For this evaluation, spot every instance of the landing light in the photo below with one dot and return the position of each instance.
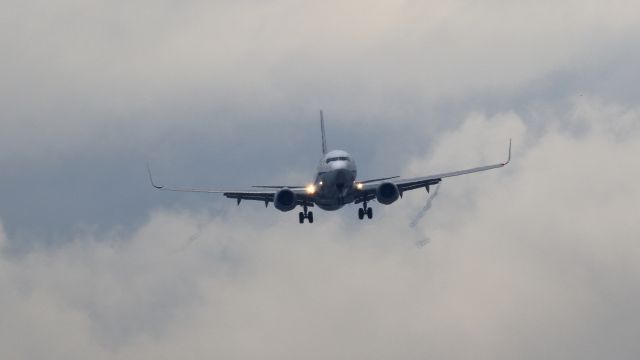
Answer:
(359, 186)
(311, 189)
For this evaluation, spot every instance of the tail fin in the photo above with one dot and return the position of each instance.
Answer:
(324, 138)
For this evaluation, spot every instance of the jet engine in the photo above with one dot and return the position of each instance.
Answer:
(285, 200)
(386, 193)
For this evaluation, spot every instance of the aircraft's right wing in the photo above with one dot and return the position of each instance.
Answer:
(266, 195)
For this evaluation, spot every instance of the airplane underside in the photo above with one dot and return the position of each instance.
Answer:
(333, 204)
(330, 206)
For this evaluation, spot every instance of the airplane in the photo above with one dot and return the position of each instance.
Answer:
(335, 186)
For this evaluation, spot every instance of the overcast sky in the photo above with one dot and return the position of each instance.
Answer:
(536, 260)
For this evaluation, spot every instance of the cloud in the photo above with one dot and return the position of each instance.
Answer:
(538, 259)
(91, 90)
(104, 71)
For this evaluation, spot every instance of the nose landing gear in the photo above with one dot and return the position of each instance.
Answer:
(305, 215)
(365, 210)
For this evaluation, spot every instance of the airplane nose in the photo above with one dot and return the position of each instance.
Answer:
(339, 164)
(341, 179)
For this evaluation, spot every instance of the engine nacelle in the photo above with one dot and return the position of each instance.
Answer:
(386, 193)
(285, 200)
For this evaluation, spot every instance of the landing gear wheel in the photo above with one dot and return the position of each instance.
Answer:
(360, 213)
(370, 213)
(304, 214)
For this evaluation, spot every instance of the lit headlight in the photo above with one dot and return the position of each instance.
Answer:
(359, 186)
(311, 189)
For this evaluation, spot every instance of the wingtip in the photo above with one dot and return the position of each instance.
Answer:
(151, 178)
(509, 154)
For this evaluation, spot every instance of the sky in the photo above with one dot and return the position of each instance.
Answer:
(535, 260)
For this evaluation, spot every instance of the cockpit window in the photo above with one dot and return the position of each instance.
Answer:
(339, 158)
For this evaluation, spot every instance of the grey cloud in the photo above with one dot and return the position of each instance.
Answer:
(535, 260)
(77, 70)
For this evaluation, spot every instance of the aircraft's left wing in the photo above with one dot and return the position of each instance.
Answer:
(266, 195)
(368, 190)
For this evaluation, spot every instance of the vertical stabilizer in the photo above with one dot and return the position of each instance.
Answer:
(324, 137)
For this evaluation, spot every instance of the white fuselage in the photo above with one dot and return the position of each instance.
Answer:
(335, 180)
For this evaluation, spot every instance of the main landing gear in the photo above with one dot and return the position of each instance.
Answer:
(305, 215)
(364, 210)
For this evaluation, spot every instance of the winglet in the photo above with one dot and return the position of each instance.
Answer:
(151, 179)
(509, 157)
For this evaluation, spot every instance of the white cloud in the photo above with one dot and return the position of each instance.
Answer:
(535, 260)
